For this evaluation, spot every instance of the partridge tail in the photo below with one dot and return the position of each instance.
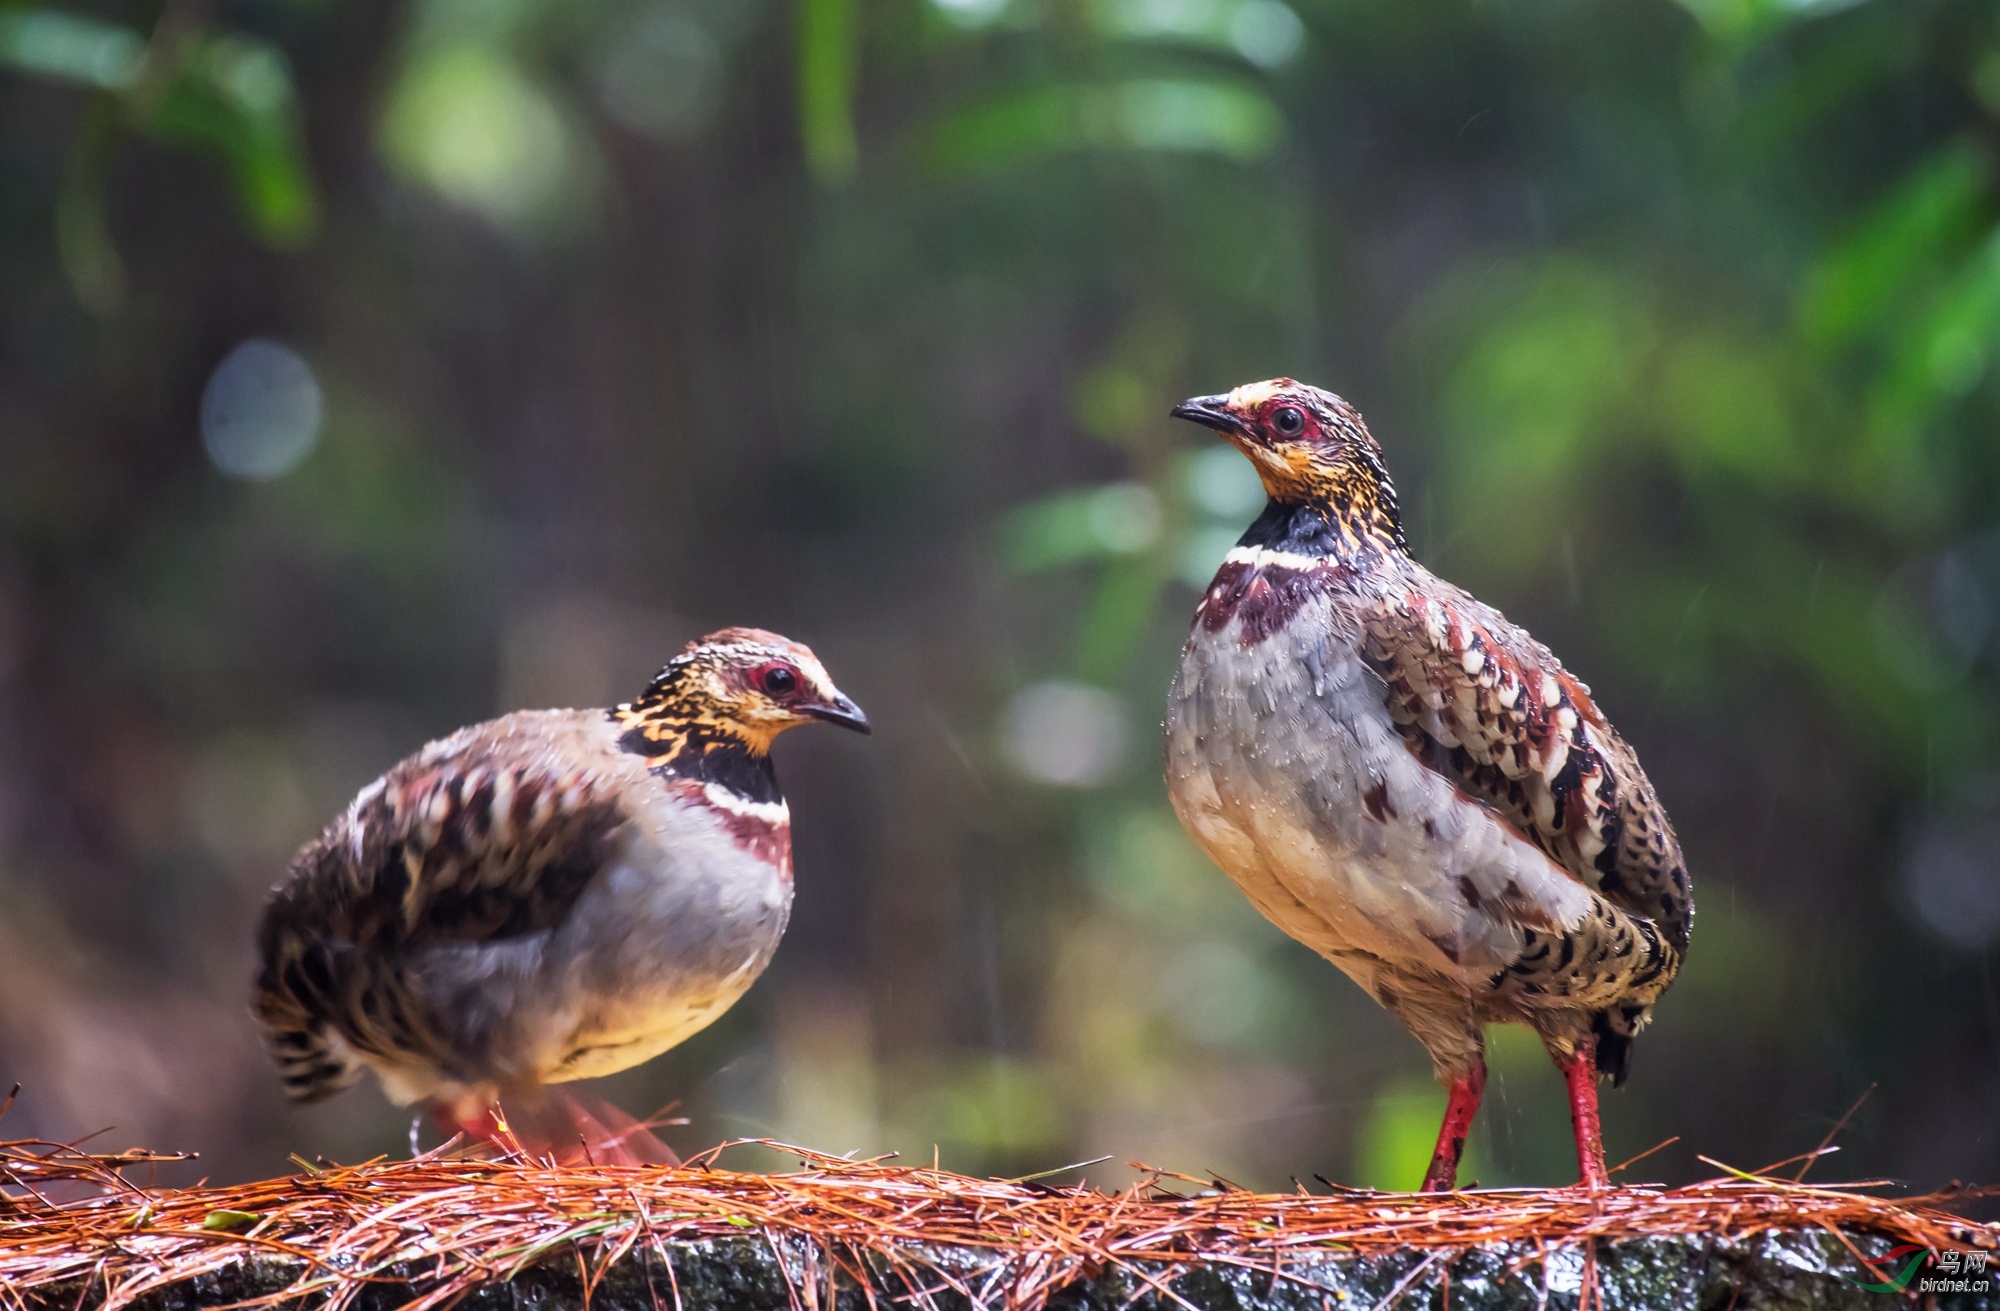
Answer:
(311, 1068)
(312, 1060)
(1615, 1030)
(298, 980)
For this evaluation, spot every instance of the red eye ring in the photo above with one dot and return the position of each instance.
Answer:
(778, 679)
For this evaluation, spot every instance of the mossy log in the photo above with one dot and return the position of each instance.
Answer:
(444, 1231)
(764, 1272)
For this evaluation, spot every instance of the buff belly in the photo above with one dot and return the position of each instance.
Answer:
(667, 937)
(666, 941)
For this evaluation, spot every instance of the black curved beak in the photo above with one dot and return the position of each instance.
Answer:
(841, 711)
(1209, 412)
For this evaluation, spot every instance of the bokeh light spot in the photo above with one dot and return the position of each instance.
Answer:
(1125, 517)
(1215, 991)
(1951, 869)
(1266, 32)
(971, 13)
(1932, 619)
(1223, 483)
(261, 411)
(662, 77)
(470, 126)
(1069, 734)
(1203, 552)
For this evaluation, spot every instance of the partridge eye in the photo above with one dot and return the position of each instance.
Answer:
(778, 680)
(1288, 421)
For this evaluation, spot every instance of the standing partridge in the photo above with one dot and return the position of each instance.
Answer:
(1412, 786)
(553, 895)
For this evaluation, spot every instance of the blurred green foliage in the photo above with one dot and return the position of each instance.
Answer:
(226, 94)
(860, 318)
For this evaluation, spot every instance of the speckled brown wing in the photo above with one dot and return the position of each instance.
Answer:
(478, 838)
(1493, 710)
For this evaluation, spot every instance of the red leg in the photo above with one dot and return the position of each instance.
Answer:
(568, 1129)
(1458, 1113)
(1580, 1073)
(478, 1123)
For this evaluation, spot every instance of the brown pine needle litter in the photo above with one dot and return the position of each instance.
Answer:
(442, 1225)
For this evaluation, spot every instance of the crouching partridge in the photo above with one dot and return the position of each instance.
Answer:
(1410, 785)
(553, 895)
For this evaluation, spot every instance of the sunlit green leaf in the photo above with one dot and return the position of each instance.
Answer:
(234, 96)
(468, 123)
(1538, 393)
(1737, 22)
(1943, 352)
(1724, 407)
(228, 95)
(1930, 213)
(1398, 1133)
(829, 65)
(1200, 117)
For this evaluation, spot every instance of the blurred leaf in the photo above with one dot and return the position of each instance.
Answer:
(1265, 32)
(994, 1105)
(1222, 483)
(229, 95)
(1081, 524)
(468, 123)
(1536, 392)
(1203, 551)
(1117, 620)
(1829, 73)
(1942, 354)
(1112, 402)
(829, 66)
(1724, 407)
(83, 231)
(70, 48)
(1738, 22)
(1934, 210)
(1400, 1132)
(234, 95)
(1218, 118)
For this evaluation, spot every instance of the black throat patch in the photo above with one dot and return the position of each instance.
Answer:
(1321, 530)
(681, 737)
(706, 755)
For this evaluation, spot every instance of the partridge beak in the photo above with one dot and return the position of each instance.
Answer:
(1209, 412)
(841, 711)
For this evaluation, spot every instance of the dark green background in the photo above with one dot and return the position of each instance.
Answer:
(635, 318)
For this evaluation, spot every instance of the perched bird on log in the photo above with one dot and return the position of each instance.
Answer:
(1412, 786)
(553, 895)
